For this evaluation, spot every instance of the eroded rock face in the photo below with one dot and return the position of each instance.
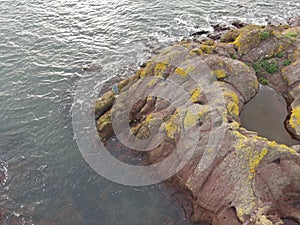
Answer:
(247, 179)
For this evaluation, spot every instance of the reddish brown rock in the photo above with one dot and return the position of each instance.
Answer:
(248, 179)
(2, 217)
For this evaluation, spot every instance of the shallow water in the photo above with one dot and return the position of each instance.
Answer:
(43, 46)
(265, 114)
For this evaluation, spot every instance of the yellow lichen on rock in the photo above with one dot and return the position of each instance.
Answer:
(263, 220)
(104, 126)
(207, 49)
(160, 68)
(181, 72)
(148, 118)
(232, 108)
(196, 94)
(196, 51)
(281, 147)
(248, 205)
(248, 36)
(104, 103)
(190, 119)
(220, 74)
(147, 70)
(237, 42)
(232, 96)
(255, 160)
(272, 144)
(172, 127)
(295, 119)
(240, 143)
(234, 125)
(204, 109)
(245, 152)
(104, 121)
(240, 212)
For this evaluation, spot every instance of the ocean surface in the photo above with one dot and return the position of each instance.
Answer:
(43, 47)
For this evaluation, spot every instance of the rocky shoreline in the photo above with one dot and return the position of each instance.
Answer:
(250, 180)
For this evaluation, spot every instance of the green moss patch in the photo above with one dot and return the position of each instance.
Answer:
(291, 35)
(269, 66)
(287, 62)
(263, 81)
(280, 54)
(234, 56)
(265, 35)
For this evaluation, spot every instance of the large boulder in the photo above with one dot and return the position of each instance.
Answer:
(201, 88)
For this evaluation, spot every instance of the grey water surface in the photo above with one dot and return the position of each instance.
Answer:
(43, 46)
(266, 114)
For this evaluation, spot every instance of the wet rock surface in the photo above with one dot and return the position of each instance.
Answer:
(244, 178)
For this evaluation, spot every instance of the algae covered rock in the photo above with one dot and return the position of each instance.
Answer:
(187, 99)
(104, 103)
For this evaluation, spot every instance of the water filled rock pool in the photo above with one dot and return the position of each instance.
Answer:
(265, 114)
